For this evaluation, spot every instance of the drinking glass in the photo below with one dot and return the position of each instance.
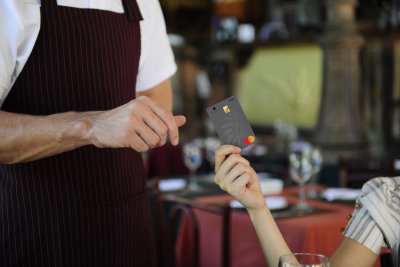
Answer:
(304, 260)
(211, 144)
(300, 170)
(192, 158)
(316, 163)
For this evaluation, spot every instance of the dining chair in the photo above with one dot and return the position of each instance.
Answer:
(354, 172)
(170, 210)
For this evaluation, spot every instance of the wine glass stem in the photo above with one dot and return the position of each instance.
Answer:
(192, 178)
(302, 195)
(312, 192)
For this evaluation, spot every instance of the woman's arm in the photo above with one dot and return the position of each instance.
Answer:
(272, 242)
(352, 253)
(234, 175)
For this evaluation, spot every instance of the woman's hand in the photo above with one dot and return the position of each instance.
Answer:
(235, 176)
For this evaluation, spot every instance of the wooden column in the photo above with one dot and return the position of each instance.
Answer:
(340, 130)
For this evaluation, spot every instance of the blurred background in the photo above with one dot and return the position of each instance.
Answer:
(308, 73)
(319, 81)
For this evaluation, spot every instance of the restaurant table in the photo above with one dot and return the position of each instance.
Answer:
(319, 232)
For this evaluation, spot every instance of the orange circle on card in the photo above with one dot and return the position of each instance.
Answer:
(251, 139)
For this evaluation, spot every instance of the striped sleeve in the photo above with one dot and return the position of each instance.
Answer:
(363, 229)
(2, 94)
(377, 221)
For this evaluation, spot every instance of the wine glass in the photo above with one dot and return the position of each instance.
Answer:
(192, 158)
(316, 163)
(304, 260)
(300, 170)
(211, 144)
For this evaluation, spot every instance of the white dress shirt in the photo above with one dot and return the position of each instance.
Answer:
(20, 25)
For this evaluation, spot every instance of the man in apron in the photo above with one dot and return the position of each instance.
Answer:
(72, 126)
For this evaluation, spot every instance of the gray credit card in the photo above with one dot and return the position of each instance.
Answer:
(230, 123)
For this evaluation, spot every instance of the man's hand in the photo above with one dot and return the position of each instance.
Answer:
(140, 124)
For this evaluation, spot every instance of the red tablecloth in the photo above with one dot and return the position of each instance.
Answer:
(318, 233)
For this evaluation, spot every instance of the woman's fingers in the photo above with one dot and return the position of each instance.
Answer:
(229, 164)
(242, 183)
(233, 174)
(222, 153)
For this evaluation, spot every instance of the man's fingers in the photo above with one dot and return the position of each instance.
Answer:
(180, 120)
(148, 135)
(222, 152)
(138, 144)
(166, 117)
(155, 124)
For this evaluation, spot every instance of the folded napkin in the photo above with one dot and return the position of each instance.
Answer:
(172, 184)
(271, 186)
(332, 194)
(274, 203)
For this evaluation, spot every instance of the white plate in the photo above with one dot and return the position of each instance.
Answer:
(274, 203)
(172, 184)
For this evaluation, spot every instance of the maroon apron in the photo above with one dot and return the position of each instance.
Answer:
(86, 207)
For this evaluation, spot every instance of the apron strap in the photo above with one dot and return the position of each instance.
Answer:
(132, 10)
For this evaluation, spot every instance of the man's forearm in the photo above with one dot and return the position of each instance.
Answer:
(26, 138)
(161, 93)
(141, 124)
